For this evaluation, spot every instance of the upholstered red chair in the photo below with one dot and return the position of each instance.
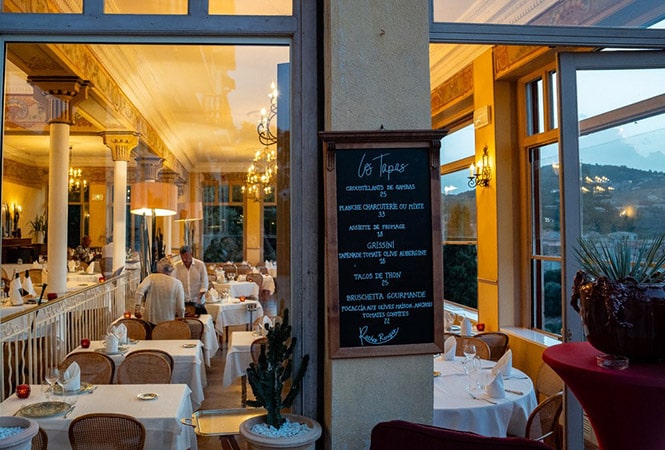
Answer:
(399, 434)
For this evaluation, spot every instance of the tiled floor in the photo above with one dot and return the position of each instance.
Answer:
(217, 397)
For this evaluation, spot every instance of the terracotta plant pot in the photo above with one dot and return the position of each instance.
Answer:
(303, 441)
(623, 318)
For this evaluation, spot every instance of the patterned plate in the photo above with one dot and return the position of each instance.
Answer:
(44, 409)
(85, 387)
(148, 396)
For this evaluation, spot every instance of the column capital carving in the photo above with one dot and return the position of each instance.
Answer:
(64, 93)
(149, 165)
(121, 143)
(168, 176)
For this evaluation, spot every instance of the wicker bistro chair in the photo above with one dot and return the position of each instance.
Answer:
(195, 327)
(497, 341)
(39, 440)
(230, 268)
(96, 368)
(256, 278)
(543, 422)
(171, 329)
(243, 268)
(118, 431)
(137, 329)
(548, 382)
(146, 367)
(482, 349)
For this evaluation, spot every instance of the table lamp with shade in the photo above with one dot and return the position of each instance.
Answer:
(152, 199)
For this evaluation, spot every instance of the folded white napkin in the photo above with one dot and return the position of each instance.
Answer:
(449, 348)
(466, 329)
(91, 268)
(15, 296)
(121, 333)
(71, 265)
(495, 387)
(28, 287)
(212, 296)
(111, 343)
(72, 377)
(265, 323)
(504, 365)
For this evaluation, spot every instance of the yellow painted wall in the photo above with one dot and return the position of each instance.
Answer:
(33, 201)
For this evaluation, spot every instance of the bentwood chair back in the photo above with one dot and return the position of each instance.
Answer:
(107, 430)
(195, 327)
(146, 367)
(497, 341)
(243, 268)
(171, 329)
(230, 268)
(255, 278)
(137, 329)
(39, 440)
(548, 382)
(482, 349)
(543, 422)
(255, 350)
(96, 368)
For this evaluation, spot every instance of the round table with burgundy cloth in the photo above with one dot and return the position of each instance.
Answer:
(625, 407)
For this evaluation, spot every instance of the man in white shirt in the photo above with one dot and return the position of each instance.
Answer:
(193, 275)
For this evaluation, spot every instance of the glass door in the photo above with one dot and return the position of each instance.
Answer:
(612, 160)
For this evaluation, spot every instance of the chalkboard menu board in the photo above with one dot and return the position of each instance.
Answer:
(383, 243)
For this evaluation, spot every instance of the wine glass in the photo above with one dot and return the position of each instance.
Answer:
(50, 378)
(469, 350)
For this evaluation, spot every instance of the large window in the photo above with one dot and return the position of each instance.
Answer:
(458, 219)
(223, 219)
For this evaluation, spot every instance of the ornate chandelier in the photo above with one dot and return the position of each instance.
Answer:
(76, 180)
(261, 174)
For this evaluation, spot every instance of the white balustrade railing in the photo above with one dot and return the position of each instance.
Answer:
(41, 336)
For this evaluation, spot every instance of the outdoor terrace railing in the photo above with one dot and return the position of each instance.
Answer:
(41, 337)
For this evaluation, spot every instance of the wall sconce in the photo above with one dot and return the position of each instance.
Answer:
(480, 173)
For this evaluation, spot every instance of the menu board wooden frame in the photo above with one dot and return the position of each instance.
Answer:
(384, 268)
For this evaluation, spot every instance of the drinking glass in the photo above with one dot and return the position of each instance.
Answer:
(50, 378)
(469, 351)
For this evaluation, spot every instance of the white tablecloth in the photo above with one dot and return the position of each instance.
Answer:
(238, 288)
(455, 408)
(187, 362)
(83, 277)
(160, 417)
(232, 313)
(239, 356)
(209, 338)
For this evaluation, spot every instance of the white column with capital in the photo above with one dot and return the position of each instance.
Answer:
(119, 213)
(57, 212)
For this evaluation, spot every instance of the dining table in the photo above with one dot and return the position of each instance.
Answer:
(455, 406)
(187, 360)
(238, 355)
(208, 338)
(233, 312)
(160, 414)
(238, 288)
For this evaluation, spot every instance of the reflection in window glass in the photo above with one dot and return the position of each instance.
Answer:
(551, 13)
(460, 262)
(457, 145)
(145, 7)
(545, 238)
(622, 179)
(611, 88)
(251, 7)
(222, 233)
(43, 7)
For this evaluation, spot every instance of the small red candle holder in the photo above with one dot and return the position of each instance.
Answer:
(85, 343)
(23, 391)
(102, 279)
(480, 326)
(127, 314)
(242, 298)
(52, 295)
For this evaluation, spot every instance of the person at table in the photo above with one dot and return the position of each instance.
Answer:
(193, 275)
(83, 252)
(163, 294)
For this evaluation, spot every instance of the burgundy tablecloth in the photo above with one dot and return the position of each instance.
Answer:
(625, 407)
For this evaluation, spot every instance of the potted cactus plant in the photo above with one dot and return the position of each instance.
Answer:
(274, 389)
(620, 296)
